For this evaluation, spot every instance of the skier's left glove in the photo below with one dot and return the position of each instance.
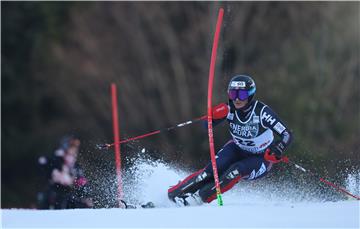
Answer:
(274, 152)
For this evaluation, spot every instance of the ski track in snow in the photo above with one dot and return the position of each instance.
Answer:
(244, 207)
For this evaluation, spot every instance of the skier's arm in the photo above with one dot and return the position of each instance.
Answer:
(270, 120)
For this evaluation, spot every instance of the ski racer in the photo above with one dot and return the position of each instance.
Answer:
(250, 153)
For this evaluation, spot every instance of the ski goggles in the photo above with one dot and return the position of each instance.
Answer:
(238, 94)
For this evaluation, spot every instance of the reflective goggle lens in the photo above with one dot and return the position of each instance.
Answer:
(237, 93)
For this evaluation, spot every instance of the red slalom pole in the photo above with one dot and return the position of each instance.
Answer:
(115, 118)
(209, 104)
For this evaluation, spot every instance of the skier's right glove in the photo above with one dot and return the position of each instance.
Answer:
(220, 111)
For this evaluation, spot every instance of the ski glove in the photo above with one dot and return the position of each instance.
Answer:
(274, 152)
(220, 111)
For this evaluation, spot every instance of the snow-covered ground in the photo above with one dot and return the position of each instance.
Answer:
(274, 215)
(247, 206)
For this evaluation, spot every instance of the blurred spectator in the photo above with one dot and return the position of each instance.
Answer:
(67, 186)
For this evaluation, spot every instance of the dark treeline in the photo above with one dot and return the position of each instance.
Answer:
(59, 58)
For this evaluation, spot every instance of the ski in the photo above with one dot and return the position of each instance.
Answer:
(136, 206)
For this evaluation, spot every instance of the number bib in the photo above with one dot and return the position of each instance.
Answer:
(250, 135)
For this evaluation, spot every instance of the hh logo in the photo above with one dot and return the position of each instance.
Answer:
(268, 118)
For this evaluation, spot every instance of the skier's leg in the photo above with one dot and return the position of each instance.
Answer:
(190, 185)
(251, 168)
(225, 157)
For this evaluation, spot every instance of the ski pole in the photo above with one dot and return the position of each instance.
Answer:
(108, 145)
(340, 189)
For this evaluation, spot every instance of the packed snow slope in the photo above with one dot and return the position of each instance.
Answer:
(233, 214)
(250, 205)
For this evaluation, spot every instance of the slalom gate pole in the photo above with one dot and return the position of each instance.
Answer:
(115, 118)
(108, 145)
(209, 104)
(340, 189)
